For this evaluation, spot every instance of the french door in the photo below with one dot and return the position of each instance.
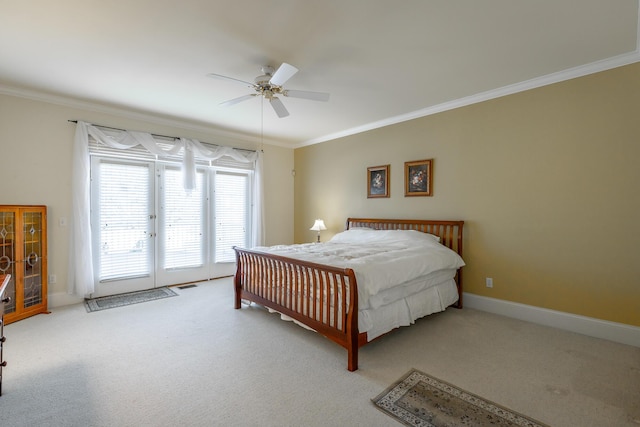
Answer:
(148, 231)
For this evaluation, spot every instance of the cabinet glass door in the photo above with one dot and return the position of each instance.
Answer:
(32, 259)
(8, 256)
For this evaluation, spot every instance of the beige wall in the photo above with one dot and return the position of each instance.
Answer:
(547, 182)
(35, 150)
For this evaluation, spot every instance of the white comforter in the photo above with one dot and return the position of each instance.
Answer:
(381, 259)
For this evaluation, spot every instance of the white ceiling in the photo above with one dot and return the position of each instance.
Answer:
(383, 61)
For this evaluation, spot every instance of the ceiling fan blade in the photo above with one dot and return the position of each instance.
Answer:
(282, 74)
(304, 94)
(234, 101)
(278, 107)
(230, 79)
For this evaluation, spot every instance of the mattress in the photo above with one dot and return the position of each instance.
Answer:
(412, 287)
(405, 311)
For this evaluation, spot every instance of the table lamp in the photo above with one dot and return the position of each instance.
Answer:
(318, 226)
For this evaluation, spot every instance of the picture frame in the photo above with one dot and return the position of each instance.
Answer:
(378, 181)
(418, 178)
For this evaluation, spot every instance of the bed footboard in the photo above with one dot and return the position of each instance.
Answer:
(321, 297)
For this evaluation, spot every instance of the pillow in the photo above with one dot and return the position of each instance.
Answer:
(352, 235)
(403, 232)
(369, 235)
(433, 236)
(412, 235)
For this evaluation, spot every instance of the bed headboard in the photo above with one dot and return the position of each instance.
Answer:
(450, 232)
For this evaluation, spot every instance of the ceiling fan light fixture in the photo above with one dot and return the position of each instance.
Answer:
(270, 84)
(262, 80)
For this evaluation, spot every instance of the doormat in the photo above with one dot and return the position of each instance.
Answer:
(418, 399)
(112, 301)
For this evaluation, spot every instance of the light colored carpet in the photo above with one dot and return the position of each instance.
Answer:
(195, 361)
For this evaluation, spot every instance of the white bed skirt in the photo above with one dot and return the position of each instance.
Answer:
(401, 312)
(405, 311)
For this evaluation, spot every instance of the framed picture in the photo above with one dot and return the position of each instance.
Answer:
(378, 181)
(418, 179)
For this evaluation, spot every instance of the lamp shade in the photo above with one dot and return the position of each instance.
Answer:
(318, 225)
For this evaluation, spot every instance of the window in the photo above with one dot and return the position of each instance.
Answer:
(151, 231)
(184, 222)
(231, 214)
(124, 189)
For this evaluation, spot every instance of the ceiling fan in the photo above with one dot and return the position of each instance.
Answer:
(270, 84)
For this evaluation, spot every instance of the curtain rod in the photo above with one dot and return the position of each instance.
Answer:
(175, 138)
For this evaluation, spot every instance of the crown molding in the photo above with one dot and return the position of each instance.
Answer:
(571, 73)
(216, 133)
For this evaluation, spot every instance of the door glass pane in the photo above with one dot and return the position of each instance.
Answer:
(8, 256)
(231, 214)
(183, 233)
(32, 238)
(124, 192)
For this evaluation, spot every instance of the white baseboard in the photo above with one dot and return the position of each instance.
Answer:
(612, 331)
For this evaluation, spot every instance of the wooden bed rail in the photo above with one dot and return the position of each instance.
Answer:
(322, 297)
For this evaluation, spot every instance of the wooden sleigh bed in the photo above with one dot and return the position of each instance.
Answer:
(322, 297)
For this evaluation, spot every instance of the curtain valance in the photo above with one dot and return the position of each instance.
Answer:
(191, 148)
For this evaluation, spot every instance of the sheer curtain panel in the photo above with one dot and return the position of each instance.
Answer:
(81, 269)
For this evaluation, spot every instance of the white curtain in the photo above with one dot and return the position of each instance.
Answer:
(81, 274)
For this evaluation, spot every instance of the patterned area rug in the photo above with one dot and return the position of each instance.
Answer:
(421, 400)
(121, 300)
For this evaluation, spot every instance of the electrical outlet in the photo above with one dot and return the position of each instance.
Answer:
(489, 282)
(52, 279)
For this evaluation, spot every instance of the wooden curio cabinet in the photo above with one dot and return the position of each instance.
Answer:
(23, 255)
